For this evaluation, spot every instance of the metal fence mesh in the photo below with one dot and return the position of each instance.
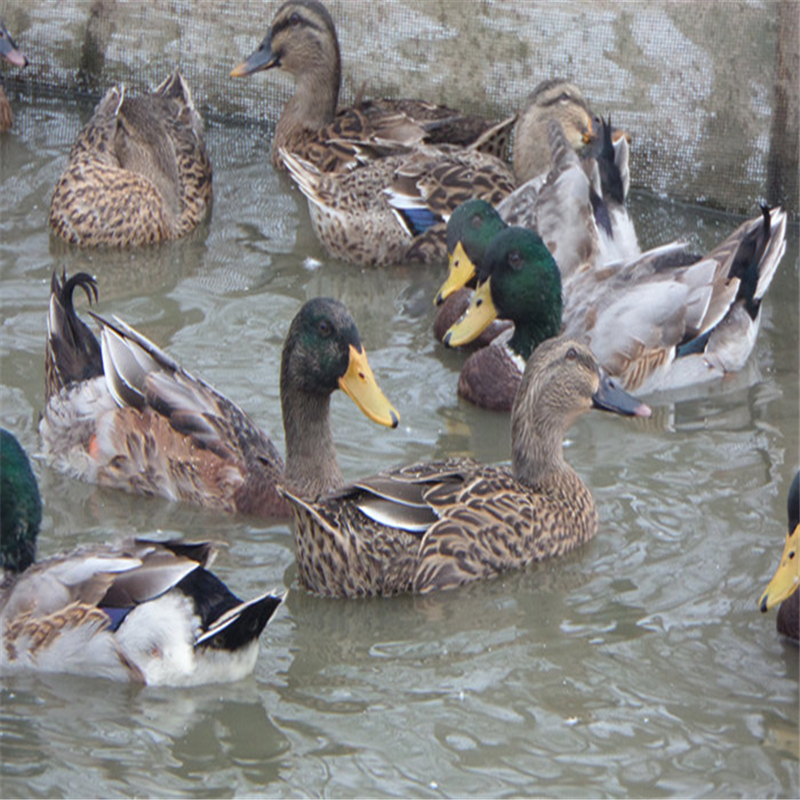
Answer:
(707, 88)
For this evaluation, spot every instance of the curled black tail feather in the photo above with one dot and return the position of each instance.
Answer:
(73, 352)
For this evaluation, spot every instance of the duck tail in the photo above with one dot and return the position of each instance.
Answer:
(73, 353)
(761, 245)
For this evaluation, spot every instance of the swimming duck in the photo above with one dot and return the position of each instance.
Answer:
(396, 209)
(141, 611)
(579, 208)
(438, 525)
(302, 41)
(8, 52)
(138, 172)
(662, 321)
(783, 586)
(123, 414)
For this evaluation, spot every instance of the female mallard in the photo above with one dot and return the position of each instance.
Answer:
(124, 414)
(438, 525)
(783, 586)
(138, 172)
(8, 52)
(578, 208)
(302, 41)
(662, 321)
(395, 209)
(141, 611)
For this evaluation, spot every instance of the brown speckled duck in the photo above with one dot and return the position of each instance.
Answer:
(10, 53)
(438, 525)
(302, 41)
(784, 584)
(138, 173)
(123, 414)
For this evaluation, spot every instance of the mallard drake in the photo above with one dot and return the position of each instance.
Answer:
(123, 414)
(662, 321)
(438, 525)
(302, 41)
(8, 52)
(142, 611)
(138, 172)
(783, 586)
(578, 208)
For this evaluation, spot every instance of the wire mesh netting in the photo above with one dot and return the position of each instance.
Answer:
(708, 90)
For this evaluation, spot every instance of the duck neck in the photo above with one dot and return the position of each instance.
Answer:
(313, 105)
(537, 435)
(312, 469)
(529, 333)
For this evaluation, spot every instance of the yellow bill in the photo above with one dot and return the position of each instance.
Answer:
(787, 577)
(461, 271)
(477, 318)
(359, 384)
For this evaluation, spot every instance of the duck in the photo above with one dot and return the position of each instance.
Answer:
(8, 52)
(664, 321)
(121, 413)
(433, 526)
(138, 173)
(578, 207)
(141, 611)
(302, 41)
(783, 586)
(396, 209)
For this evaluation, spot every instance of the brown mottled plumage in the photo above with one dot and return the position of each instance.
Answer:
(127, 416)
(438, 525)
(302, 41)
(138, 173)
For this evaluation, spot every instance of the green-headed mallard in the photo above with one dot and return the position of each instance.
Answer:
(438, 525)
(138, 172)
(123, 414)
(578, 208)
(142, 611)
(783, 586)
(662, 321)
(10, 53)
(302, 41)
(395, 209)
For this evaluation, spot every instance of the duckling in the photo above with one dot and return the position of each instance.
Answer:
(123, 414)
(302, 41)
(11, 53)
(138, 172)
(663, 321)
(783, 586)
(437, 525)
(140, 611)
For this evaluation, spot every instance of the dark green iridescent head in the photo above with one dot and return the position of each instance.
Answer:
(474, 224)
(525, 286)
(20, 506)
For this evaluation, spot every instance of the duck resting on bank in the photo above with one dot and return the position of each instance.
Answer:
(141, 611)
(123, 414)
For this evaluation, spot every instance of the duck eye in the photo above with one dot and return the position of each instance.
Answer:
(475, 222)
(294, 20)
(325, 328)
(572, 354)
(515, 260)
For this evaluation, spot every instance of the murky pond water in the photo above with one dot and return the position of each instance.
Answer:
(637, 666)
